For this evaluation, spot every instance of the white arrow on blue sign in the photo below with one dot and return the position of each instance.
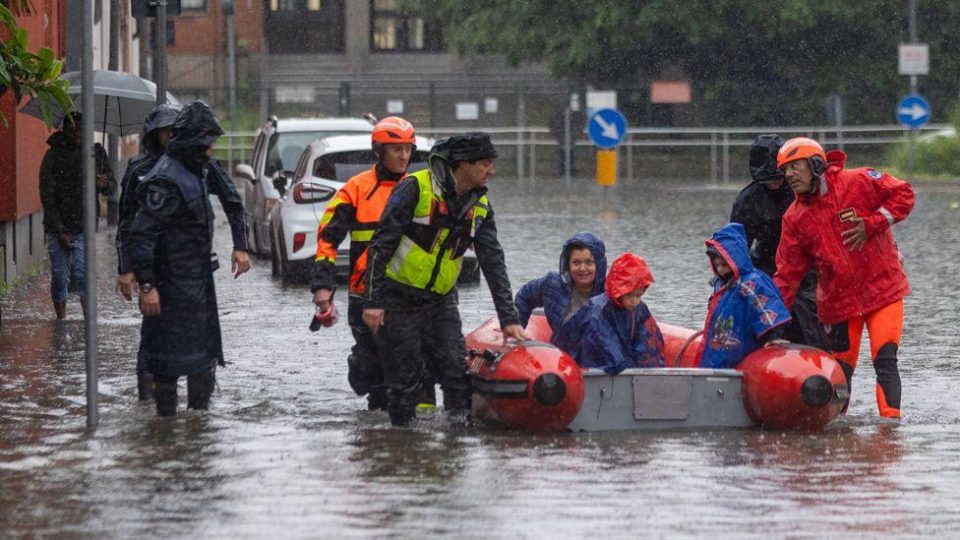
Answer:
(607, 128)
(913, 111)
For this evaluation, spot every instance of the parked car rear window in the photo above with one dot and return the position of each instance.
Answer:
(284, 149)
(342, 165)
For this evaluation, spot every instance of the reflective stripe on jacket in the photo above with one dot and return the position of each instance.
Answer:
(856, 282)
(430, 252)
(355, 209)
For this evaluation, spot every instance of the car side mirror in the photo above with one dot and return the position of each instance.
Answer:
(245, 171)
(280, 183)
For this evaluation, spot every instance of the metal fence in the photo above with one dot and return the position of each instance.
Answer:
(531, 152)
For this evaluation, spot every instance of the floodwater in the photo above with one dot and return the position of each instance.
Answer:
(288, 450)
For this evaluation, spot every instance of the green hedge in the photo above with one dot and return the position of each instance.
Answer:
(939, 156)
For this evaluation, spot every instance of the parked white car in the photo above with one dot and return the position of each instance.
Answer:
(276, 150)
(324, 167)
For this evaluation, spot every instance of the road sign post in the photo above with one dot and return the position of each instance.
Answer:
(607, 129)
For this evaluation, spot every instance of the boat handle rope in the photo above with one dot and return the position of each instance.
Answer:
(683, 349)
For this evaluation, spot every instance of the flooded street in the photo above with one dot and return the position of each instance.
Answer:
(288, 448)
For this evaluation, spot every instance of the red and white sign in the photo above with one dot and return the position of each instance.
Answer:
(914, 59)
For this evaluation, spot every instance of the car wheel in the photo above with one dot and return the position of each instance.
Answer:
(274, 257)
(283, 266)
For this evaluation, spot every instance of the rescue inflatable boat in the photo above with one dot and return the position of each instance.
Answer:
(534, 386)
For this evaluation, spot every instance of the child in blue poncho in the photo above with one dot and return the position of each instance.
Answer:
(745, 310)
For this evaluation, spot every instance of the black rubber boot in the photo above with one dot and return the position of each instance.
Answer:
(199, 389)
(165, 394)
(888, 381)
(848, 374)
(145, 385)
(377, 398)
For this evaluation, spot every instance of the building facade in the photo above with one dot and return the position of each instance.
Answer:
(348, 57)
(23, 138)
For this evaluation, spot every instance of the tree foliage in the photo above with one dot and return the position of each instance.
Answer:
(26, 73)
(764, 62)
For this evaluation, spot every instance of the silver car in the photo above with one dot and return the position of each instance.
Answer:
(277, 149)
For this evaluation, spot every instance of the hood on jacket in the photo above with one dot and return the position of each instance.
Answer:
(195, 130)
(162, 116)
(730, 242)
(597, 249)
(627, 274)
(59, 139)
(763, 159)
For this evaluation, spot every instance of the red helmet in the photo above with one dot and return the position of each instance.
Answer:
(802, 148)
(393, 130)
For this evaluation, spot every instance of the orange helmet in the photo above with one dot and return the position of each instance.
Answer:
(802, 148)
(393, 130)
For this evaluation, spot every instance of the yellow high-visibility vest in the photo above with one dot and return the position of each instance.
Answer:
(424, 259)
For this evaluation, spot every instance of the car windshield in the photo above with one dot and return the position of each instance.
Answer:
(284, 149)
(342, 165)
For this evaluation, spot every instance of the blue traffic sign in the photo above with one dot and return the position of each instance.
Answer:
(913, 111)
(607, 128)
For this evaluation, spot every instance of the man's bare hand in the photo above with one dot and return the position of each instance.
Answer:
(373, 317)
(126, 284)
(856, 236)
(323, 298)
(150, 303)
(513, 331)
(240, 264)
(102, 181)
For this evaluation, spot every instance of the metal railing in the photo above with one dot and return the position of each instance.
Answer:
(528, 149)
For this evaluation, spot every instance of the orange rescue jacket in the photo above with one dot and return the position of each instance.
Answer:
(356, 210)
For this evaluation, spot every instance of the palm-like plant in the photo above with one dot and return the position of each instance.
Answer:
(26, 73)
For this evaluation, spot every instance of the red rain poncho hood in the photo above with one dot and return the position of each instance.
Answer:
(627, 274)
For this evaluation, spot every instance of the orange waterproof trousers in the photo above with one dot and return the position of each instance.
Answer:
(884, 328)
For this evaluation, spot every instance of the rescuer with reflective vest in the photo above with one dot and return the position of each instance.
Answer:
(356, 210)
(840, 224)
(431, 219)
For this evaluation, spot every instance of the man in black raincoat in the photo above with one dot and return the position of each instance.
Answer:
(169, 246)
(759, 208)
(157, 130)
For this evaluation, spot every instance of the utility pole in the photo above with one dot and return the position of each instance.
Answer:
(161, 51)
(231, 62)
(89, 217)
(113, 146)
(912, 28)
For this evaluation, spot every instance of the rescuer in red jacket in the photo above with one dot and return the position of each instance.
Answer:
(840, 224)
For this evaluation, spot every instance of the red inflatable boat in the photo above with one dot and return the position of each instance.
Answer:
(535, 386)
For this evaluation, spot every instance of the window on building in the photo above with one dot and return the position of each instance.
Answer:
(306, 26)
(284, 5)
(391, 29)
(193, 5)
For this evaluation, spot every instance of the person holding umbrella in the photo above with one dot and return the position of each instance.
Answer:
(61, 195)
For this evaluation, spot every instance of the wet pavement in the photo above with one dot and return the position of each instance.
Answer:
(288, 449)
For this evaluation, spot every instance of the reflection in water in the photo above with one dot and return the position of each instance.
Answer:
(287, 449)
